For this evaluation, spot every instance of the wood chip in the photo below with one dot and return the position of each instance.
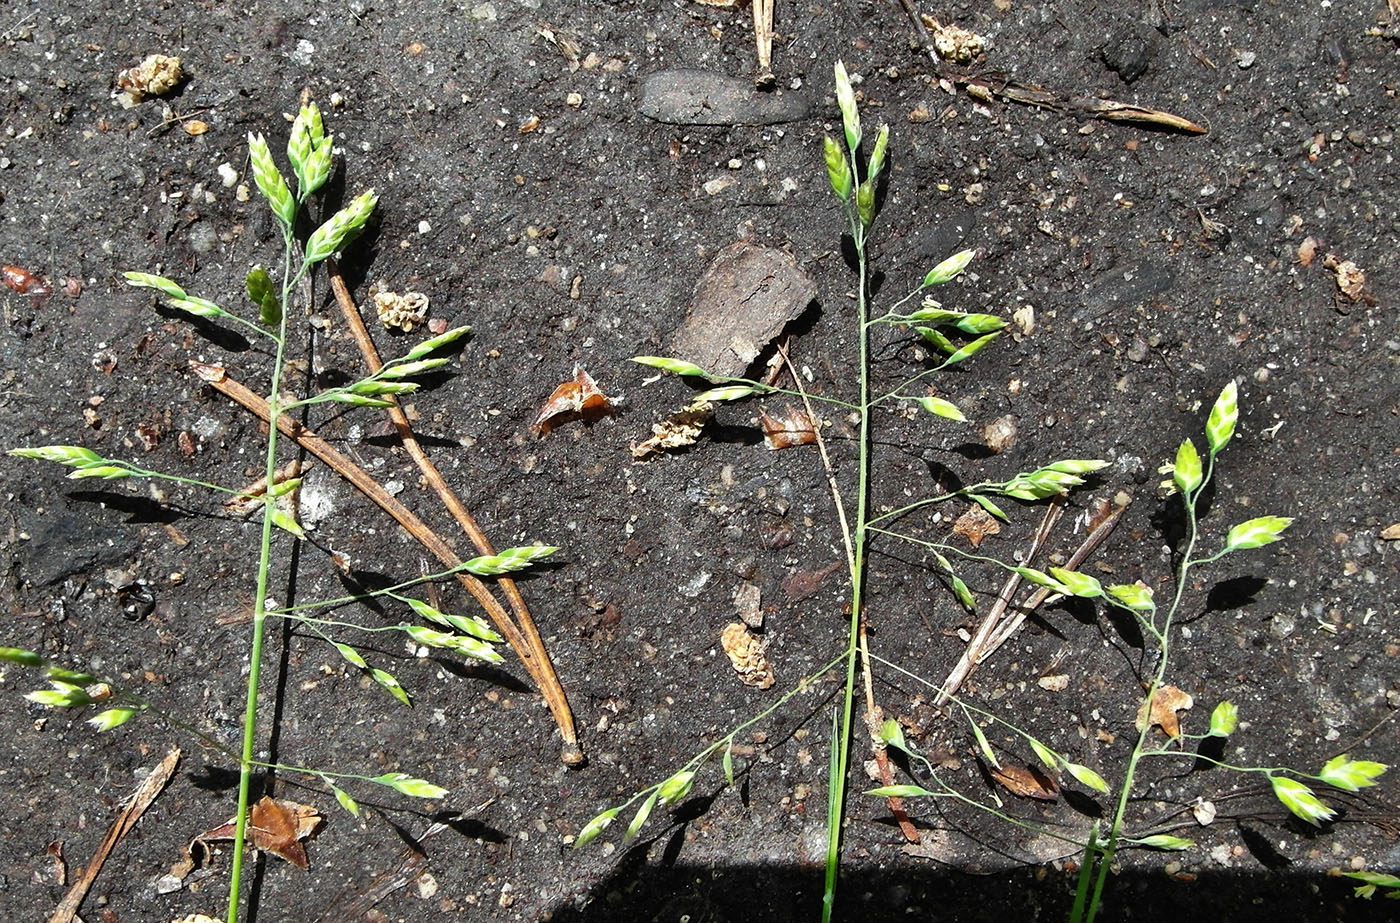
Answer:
(748, 601)
(746, 654)
(140, 800)
(742, 302)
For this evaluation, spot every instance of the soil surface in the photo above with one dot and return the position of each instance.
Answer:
(529, 189)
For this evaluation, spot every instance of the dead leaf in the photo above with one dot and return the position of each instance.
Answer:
(1027, 781)
(274, 826)
(789, 427)
(746, 655)
(1351, 278)
(975, 525)
(1164, 705)
(577, 399)
(1391, 532)
(676, 431)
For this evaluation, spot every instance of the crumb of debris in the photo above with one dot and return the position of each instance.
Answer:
(403, 312)
(157, 75)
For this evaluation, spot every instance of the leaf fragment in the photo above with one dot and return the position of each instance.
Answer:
(1027, 782)
(573, 400)
(1161, 710)
(975, 525)
(786, 428)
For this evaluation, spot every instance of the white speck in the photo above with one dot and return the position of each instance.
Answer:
(302, 53)
(228, 175)
(424, 227)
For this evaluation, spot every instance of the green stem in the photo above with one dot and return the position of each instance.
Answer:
(1110, 842)
(836, 801)
(250, 712)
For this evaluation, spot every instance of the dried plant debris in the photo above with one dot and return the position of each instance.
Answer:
(954, 43)
(787, 427)
(1351, 278)
(746, 653)
(1000, 434)
(157, 75)
(742, 302)
(399, 312)
(274, 826)
(1164, 705)
(579, 399)
(676, 431)
(975, 524)
(1027, 781)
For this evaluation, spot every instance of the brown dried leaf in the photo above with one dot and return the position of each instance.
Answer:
(1164, 705)
(676, 431)
(1027, 781)
(975, 525)
(1391, 532)
(577, 399)
(274, 826)
(789, 427)
(746, 654)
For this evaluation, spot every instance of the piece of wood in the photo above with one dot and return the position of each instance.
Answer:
(742, 302)
(136, 805)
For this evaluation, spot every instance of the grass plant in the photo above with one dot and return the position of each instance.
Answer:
(953, 338)
(271, 294)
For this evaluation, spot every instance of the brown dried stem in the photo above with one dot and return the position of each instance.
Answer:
(357, 476)
(541, 668)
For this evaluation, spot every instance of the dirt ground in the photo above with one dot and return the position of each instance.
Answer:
(527, 188)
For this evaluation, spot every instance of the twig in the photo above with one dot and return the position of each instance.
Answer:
(1091, 542)
(763, 41)
(140, 800)
(970, 655)
(357, 476)
(1001, 86)
(874, 715)
(544, 674)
